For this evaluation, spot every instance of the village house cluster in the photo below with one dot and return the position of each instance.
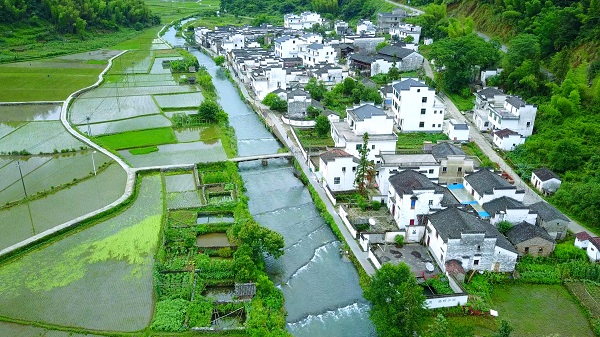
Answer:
(438, 197)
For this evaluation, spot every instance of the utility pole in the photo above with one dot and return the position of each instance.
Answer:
(21, 174)
(93, 163)
(87, 118)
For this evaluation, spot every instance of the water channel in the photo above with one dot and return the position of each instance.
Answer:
(323, 297)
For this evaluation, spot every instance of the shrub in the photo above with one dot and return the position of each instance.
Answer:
(200, 312)
(399, 239)
(169, 315)
(375, 205)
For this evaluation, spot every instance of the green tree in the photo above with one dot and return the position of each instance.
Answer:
(209, 111)
(275, 102)
(439, 328)
(322, 126)
(505, 329)
(504, 226)
(259, 239)
(409, 39)
(313, 112)
(396, 301)
(364, 165)
(393, 74)
(381, 45)
(316, 89)
(219, 60)
(348, 85)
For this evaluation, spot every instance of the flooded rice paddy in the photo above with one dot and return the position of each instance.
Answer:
(39, 137)
(180, 182)
(180, 100)
(30, 112)
(132, 124)
(182, 153)
(98, 278)
(30, 218)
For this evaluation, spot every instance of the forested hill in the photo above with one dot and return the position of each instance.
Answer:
(77, 16)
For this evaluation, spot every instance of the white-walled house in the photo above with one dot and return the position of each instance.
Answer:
(303, 21)
(593, 249)
(366, 118)
(496, 111)
(509, 209)
(411, 196)
(338, 169)
(392, 163)
(404, 30)
(507, 139)
(457, 131)
(264, 81)
(316, 53)
(486, 186)
(453, 234)
(366, 27)
(545, 181)
(582, 240)
(416, 107)
(329, 74)
(551, 219)
(453, 162)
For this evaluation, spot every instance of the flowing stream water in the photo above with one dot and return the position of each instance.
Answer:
(321, 289)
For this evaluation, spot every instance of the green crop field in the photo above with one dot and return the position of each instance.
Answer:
(540, 310)
(99, 278)
(140, 138)
(44, 82)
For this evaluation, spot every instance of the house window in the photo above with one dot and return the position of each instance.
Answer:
(435, 112)
(412, 203)
(475, 262)
(336, 180)
(430, 171)
(528, 124)
(460, 169)
(424, 99)
(421, 124)
(444, 169)
(418, 90)
(354, 169)
(478, 248)
(344, 169)
(372, 147)
(430, 202)
(423, 111)
(358, 146)
(541, 250)
(411, 222)
(439, 125)
(433, 125)
(526, 250)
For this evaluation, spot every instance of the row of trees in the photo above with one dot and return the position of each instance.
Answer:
(75, 17)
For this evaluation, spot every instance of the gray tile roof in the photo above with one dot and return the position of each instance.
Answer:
(502, 204)
(360, 57)
(489, 92)
(298, 92)
(445, 149)
(504, 133)
(283, 38)
(525, 231)
(314, 45)
(367, 111)
(515, 101)
(387, 89)
(484, 182)
(405, 182)
(408, 83)
(331, 155)
(452, 222)
(396, 51)
(547, 212)
(459, 125)
(545, 174)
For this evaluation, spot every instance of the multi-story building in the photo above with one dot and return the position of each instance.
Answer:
(385, 21)
(416, 107)
(316, 53)
(496, 111)
(303, 21)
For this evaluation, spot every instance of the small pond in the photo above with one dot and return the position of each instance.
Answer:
(211, 240)
(220, 294)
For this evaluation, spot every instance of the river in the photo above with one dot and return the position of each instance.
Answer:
(321, 289)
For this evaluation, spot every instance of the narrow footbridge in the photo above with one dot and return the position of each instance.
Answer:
(261, 157)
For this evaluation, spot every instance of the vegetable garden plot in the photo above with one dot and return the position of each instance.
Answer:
(131, 124)
(46, 173)
(180, 182)
(30, 112)
(17, 224)
(188, 199)
(99, 278)
(111, 108)
(179, 100)
(40, 137)
(182, 153)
